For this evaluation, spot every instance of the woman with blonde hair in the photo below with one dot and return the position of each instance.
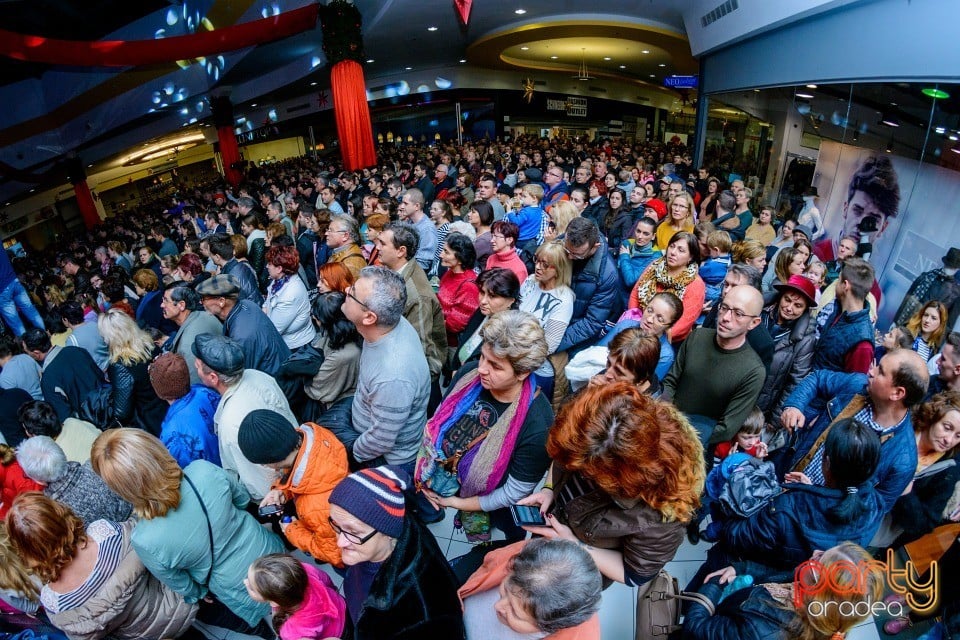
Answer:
(559, 216)
(131, 350)
(626, 477)
(679, 218)
(94, 585)
(803, 610)
(750, 252)
(194, 534)
(19, 588)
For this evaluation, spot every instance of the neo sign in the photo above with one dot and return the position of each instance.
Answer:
(680, 82)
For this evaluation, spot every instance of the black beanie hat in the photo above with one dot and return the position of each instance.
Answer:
(266, 437)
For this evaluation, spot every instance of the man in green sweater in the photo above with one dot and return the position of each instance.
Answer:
(716, 377)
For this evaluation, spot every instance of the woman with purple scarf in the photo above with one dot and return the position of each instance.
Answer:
(485, 447)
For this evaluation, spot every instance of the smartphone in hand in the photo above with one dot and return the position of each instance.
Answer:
(524, 515)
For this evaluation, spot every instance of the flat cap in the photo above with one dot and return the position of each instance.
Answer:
(219, 285)
(220, 353)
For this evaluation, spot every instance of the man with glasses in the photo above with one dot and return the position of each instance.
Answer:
(342, 236)
(556, 186)
(596, 285)
(716, 377)
(389, 408)
(759, 338)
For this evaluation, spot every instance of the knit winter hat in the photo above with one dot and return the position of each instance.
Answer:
(170, 376)
(657, 205)
(266, 437)
(375, 496)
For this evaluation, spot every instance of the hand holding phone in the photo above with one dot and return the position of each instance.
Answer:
(527, 516)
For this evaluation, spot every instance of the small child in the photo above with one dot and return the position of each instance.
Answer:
(714, 269)
(746, 441)
(816, 272)
(530, 216)
(304, 602)
(19, 589)
(896, 338)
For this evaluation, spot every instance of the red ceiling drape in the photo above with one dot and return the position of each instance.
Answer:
(132, 53)
(353, 115)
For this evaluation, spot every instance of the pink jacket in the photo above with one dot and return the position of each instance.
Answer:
(322, 614)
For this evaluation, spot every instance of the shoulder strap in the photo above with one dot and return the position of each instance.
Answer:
(206, 517)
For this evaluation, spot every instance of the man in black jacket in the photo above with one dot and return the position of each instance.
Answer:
(69, 373)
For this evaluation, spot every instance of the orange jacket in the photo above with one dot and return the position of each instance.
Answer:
(320, 465)
(494, 570)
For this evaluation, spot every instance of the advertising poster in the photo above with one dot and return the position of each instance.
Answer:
(910, 202)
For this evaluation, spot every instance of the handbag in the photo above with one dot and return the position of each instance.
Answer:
(658, 606)
(444, 480)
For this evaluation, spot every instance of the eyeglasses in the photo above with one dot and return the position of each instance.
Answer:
(654, 317)
(350, 294)
(351, 537)
(573, 255)
(739, 314)
(544, 264)
(498, 236)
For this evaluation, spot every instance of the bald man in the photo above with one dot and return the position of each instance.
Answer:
(717, 377)
(882, 400)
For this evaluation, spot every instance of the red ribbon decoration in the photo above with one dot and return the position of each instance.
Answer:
(352, 115)
(463, 9)
(133, 53)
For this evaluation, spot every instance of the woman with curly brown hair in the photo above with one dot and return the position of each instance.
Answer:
(626, 477)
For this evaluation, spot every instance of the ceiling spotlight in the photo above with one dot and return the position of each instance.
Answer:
(89, 165)
(645, 51)
(370, 60)
(623, 66)
(652, 76)
(954, 148)
(805, 96)
(408, 68)
(953, 138)
(462, 60)
(811, 86)
(756, 90)
(519, 12)
(431, 28)
(889, 148)
(524, 48)
(32, 190)
(253, 104)
(936, 94)
(941, 130)
(313, 84)
(554, 57)
(607, 58)
(889, 120)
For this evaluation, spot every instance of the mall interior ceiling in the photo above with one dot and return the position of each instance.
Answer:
(52, 112)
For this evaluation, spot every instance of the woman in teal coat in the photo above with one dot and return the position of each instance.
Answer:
(193, 534)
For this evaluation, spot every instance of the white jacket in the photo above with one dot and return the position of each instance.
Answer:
(289, 311)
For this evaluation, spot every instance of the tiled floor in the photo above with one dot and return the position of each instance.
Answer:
(618, 609)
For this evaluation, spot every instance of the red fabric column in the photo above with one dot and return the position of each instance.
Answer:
(85, 202)
(229, 154)
(353, 115)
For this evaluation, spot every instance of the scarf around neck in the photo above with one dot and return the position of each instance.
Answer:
(482, 467)
(656, 280)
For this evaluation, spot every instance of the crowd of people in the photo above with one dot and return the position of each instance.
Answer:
(588, 347)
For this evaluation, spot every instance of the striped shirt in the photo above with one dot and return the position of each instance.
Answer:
(109, 539)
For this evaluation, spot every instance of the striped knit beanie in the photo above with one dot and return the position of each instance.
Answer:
(375, 496)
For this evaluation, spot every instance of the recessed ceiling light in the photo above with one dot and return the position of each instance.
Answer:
(805, 96)
(953, 138)
(554, 57)
(661, 65)
(811, 86)
(652, 76)
(462, 60)
(313, 84)
(607, 58)
(524, 48)
(431, 28)
(409, 68)
(370, 60)
(756, 90)
(645, 51)
(519, 12)
(32, 190)
(623, 66)
(253, 104)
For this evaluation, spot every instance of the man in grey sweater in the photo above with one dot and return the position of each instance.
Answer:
(390, 406)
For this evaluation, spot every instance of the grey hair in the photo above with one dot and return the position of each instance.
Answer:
(750, 274)
(388, 295)
(557, 582)
(225, 379)
(245, 201)
(349, 225)
(42, 459)
(187, 294)
(518, 337)
(461, 226)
